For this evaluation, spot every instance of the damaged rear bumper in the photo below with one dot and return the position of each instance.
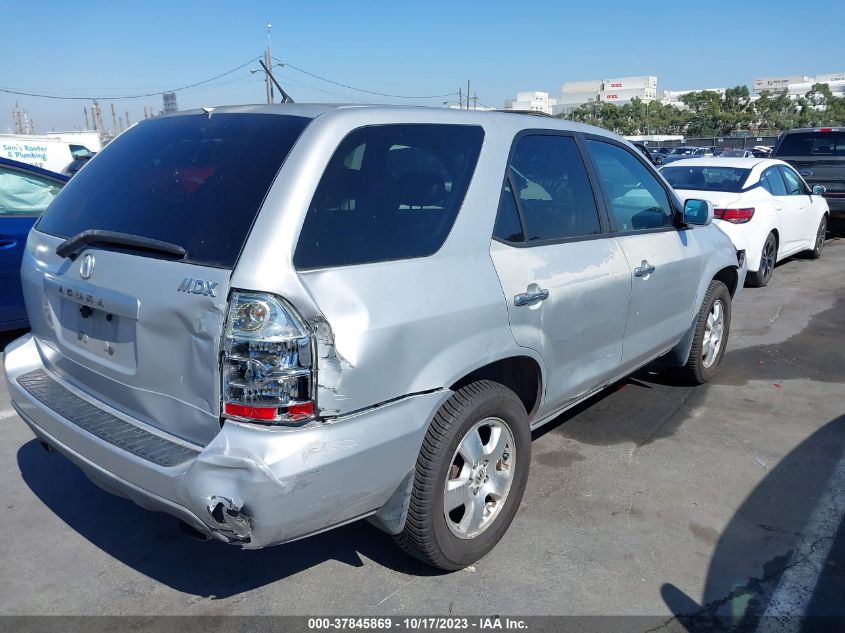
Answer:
(251, 485)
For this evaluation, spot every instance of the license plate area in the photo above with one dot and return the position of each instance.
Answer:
(96, 325)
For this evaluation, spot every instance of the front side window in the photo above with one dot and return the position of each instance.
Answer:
(24, 194)
(552, 189)
(389, 192)
(772, 182)
(794, 186)
(637, 200)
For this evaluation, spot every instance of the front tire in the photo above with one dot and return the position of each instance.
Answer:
(768, 258)
(821, 233)
(470, 477)
(711, 335)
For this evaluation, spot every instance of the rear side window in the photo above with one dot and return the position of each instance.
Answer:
(552, 189)
(771, 181)
(389, 192)
(813, 144)
(637, 200)
(25, 194)
(194, 180)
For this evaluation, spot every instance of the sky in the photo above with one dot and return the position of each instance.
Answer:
(92, 48)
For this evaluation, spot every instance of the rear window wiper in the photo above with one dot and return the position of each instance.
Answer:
(71, 246)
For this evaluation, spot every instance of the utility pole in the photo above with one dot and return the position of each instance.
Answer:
(460, 99)
(113, 118)
(268, 61)
(85, 110)
(468, 93)
(127, 119)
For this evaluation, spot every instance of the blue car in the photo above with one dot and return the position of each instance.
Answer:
(25, 192)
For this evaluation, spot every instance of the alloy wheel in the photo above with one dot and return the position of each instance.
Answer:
(714, 330)
(479, 478)
(767, 262)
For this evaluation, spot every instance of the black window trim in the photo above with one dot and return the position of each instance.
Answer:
(677, 213)
(601, 211)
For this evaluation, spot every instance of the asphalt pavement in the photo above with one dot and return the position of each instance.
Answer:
(651, 499)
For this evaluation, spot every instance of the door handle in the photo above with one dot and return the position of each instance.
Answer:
(644, 269)
(528, 298)
(7, 243)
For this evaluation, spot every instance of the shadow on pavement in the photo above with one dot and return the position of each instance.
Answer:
(758, 544)
(153, 545)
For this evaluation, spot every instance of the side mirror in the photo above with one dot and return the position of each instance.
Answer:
(819, 190)
(698, 212)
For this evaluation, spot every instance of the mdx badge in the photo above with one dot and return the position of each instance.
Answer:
(86, 267)
(198, 287)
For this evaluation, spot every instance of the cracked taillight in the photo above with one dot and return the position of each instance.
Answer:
(267, 361)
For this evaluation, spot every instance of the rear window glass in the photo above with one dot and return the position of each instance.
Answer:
(389, 192)
(194, 180)
(813, 144)
(706, 178)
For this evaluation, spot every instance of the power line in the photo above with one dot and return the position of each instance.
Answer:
(370, 92)
(150, 94)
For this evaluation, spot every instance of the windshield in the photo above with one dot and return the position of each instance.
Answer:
(706, 178)
(192, 180)
(734, 152)
(683, 150)
(813, 144)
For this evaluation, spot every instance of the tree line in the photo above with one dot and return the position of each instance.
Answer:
(709, 113)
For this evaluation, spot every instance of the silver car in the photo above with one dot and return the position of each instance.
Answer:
(269, 321)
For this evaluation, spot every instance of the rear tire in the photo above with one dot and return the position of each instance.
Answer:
(711, 335)
(480, 422)
(768, 259)
(821, 233)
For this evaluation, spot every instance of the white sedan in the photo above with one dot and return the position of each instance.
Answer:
(762, 204)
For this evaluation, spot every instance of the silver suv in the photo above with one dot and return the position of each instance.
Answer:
(270, 321)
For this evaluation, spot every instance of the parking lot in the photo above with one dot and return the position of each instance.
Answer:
(652, 499)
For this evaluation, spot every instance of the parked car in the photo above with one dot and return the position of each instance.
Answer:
(737, 153)
(761, 151)
(272, 320)
(682, 151)
(763, 205)
(25, 191)
(660, 152)
(654, 159)
(76, 164)
(706, 151)
(818, 154)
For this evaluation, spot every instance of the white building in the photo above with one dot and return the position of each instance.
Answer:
(617, 90)
(533, 101)
(799, 85)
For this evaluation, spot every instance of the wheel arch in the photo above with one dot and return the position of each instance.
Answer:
(521, 374)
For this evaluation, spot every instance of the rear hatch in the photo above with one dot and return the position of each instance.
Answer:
(131, 308)
(818, 155)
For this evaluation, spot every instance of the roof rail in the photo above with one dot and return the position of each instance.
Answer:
(531, 112)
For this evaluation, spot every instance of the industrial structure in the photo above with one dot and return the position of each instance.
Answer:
(169, 99)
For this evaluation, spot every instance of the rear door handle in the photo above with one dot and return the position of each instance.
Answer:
(528, 298)
(644, 269)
